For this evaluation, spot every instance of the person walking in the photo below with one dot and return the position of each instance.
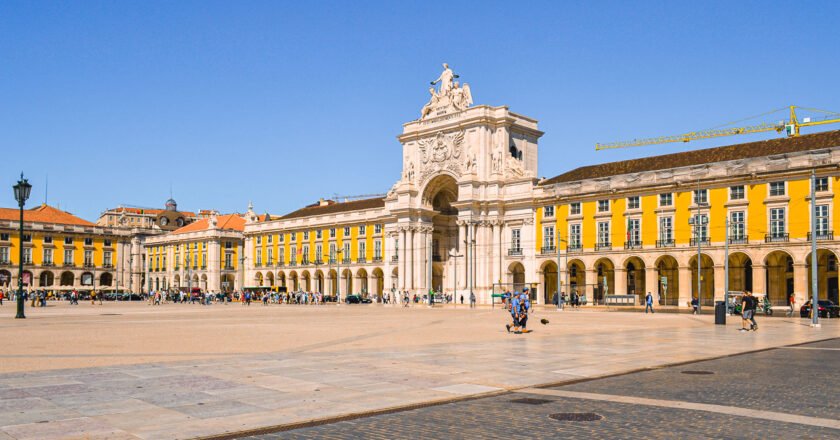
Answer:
(472, 300)
(748, 306)
(791, 301)
(648, 303)
(514, 306)
(694, 305)
(525, 310)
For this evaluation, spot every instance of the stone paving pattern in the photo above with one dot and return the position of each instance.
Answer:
(283, 365)
(786, 384)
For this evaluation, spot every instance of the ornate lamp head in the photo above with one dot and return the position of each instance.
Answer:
(22, 190)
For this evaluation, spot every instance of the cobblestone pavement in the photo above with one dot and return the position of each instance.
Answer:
(794, 380)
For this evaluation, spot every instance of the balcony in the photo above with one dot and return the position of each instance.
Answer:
(319, 261)
(88, 265)
(106, 266)
(701, 242)
(48, 264)
(515, 252)
(69, 265)
(395, 258)
(824, 235)
(5, 263)
(738, 239)
(605, 246)
(777, 238)
(304, 262)
(292, 263)
(377, 258)
(545, 250)
(177, 268)
(633, 244)
(574, 247)
(332, 261)
(361, 260)
(227, 267)
(665, 243)
(345, 260)
(203, 267)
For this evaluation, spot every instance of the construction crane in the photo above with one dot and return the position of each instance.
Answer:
(338, 197)
(790, 128)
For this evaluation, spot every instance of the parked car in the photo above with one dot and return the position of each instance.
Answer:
(357, 299)
(826, 309)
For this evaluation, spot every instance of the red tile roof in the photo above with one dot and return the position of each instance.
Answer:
(231, 222)
(43, 214)
(332, 207)
(771, 147)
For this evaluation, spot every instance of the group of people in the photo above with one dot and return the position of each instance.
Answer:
(518, 304)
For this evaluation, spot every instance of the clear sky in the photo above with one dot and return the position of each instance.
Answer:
(285, 102)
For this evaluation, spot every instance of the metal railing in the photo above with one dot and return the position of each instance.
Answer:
(545, 250)
(665, 243)
(395, 258)
(574, 247)
(603, 246)
(738, 239)
(777, 238)
(515, 252)
(633, 244)
(702, 241)
(825, 235)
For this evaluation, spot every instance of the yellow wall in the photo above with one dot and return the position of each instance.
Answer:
(618, 226)
(799, 221)
(757, 211)
(650, 228)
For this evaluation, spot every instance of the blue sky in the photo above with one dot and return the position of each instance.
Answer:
(285, 102)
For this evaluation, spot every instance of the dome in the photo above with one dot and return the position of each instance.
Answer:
(171, 205)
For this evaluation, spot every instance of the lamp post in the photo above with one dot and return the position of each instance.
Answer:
(566, 258)
(22, 190)
(726, 269)
(455, 256)
(338, 253)
(815, 305)
(698, 221)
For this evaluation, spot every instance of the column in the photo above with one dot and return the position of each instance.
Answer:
(590, 278)
(719, 279)
(214, 264)
(411, 253)
(685, 286)
(800, 282)
(652, 285)
(462, 250)
(620, 276)
(497, 251)
(240, 277)
(759, 278)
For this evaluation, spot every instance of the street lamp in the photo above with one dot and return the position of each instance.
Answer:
(698, 221)
(22, 190)
(338, 253)
(566, 258)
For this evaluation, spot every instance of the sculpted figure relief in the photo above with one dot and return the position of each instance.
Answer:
(450, 97)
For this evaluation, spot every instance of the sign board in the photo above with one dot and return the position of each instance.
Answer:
(87, 279)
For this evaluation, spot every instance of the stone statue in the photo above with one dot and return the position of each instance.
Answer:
(446, 80)
(450, 97)
(213, 220)
(433, 101)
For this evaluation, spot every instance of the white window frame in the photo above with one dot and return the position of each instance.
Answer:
(636, 200)
(770, 188)
(670, 198)
(603, 236)
(827, 184)
(666, 232)
(698, 194)
(548, 237)
(575, 208)
(823, 220)
(775, 222)
(605, 203)
(548, 211)
(743, 192)
(516, 238)
(737, 229)
(635, 233)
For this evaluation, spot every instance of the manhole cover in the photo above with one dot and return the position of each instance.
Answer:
(110, 314)
(696, 372)
(531, 401)
(576, 417)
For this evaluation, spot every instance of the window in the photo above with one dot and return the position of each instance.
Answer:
(88, 241)
(106, 258)
(822, 220)
(259, 259)
(4, 255)
(701, 196)
(68, 240)
(666, 230)
(48, 256)
(306, 253)
(603, 233)
(306, 235)
(777, 189)
(777, 222)
(195, 246)
(574, 236)
(603, 205)
(574, 208)
(68, 257)
(47, 239)
(666, 199)
(27, 238)
(736, 192)
(634, 231)
(229, 245)
(332, 232)
(270, 239)
(362, 250)
(319, 251)
(515, 239)
(259, 239)
(88, 258)
(27, 255)
(332, 252)
(377, 228)
(4, 236)
(821, 184)
(737, 228)
(548, 211)
(377, 250)
(633, 202)
(281, 238)
(318, 234)
(362, 230)
(293, 252)
(701, 227)
(548, 237)
(346, 251)
(228, 260)
(270, 256)
(346, 231)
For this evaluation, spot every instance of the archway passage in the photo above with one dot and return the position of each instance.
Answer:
(306, 281)
(516, 276)
(5, 278)
(362, 277)
(379, 288)
(605, 279)
(258, 279)
(575, 278)
(636, 282)
(439, 195)
(826, 276)
(106, 279)
(67, 279)
(548, 275)
(319, 281)
(779, 282)
(293, 281)
(707, 280)
(669, 281)
(740, 272)
(228, 282)
(269, 279)
(46, 279)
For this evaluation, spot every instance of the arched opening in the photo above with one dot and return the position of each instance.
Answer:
(86, 279)
(228, 282)
(347, 282)
(67, 278)
(106, 280)
(258, 279)
(604, 280)
(575, 281)
(740, 272)
(826, 276)
(636, 283)
(379, 278)
(5, 278)
(707, 280)
(548, 275)
(203, 282)
(779, 265)
(281, 279)
(438, 196)
(306, 281)
(516, 276)
(332, 277)
(362, 285)
(269, 279)
(394, 277)
(668, 283)
(177, 282)
(319, 281)
(45, 280)
(293, 281)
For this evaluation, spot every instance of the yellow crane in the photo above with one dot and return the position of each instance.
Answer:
(790, 127)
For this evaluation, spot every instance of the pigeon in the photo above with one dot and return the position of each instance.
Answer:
(543, 321)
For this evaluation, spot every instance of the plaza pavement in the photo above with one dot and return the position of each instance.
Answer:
(184, 371)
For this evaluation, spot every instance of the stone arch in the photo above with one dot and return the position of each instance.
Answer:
(281, 278)
(636, 279)
(106, 279)
(379, 279)
(203, 282)
(269, 279)
(440, 191)
(195, 281)
(395, 272)
(5, 278)
(516, 276)
(575, 277)
(827, 287)
(668, 283)
(177, 281)
(46, 279)
(347, 282)
(228, 282)
(362, 282)
(779, 278)
(293, 281)
(306, 281)
(548, 281)
(258, 279)
(707, 280)
(604, 279)
(740, 272)
(319, 281)
(86, 279)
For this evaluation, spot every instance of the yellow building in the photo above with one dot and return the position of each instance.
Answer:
(61, 252)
